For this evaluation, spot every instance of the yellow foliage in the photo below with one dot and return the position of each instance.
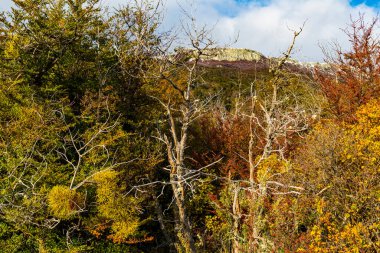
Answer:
(105, 176)
(271, 166)
(64, 202)
(341, 164)
(123, 230)
(326, 237)
(329, 235)
(363, 138)
(11, 48)
(113, 206)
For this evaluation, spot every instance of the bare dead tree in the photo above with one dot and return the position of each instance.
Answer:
(167, 67)
(180, 118)
(276, 121)
(272, 118)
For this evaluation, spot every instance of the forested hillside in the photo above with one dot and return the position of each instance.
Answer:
(117, 136)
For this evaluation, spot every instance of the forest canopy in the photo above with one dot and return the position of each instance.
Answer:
(117, 136)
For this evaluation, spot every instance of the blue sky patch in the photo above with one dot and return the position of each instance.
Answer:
(240, 4)
(233, 12)
(371, 3)
(256, 2)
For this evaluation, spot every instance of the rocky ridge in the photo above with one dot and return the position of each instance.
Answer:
(247, 59)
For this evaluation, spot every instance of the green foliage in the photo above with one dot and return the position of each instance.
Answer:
(59, 87)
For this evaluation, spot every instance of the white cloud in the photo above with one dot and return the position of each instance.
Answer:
(265, 27)
(5, 4)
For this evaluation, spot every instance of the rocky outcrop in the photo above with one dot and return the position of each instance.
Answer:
(246, 59)
(232, 54)
(223, 54)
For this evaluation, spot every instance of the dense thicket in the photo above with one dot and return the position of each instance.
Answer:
(112, 142)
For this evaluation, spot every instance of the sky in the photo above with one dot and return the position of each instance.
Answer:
(266, 25)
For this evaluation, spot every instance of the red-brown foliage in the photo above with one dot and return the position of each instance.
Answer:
(225, 136)
(355, 75)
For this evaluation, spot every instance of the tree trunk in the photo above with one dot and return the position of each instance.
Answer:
(236, 220)
(184, 234)
(160, 218)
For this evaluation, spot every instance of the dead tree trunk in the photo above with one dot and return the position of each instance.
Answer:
(189, 108)
(178, 172)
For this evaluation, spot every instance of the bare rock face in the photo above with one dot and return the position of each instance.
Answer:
(222, 54)
(235, 58)
(245, 59)
(232, 54)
